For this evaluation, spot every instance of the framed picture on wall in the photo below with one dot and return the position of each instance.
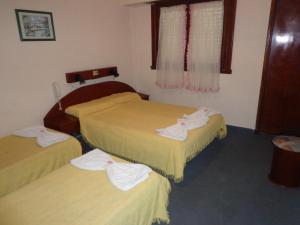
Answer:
(35, 25)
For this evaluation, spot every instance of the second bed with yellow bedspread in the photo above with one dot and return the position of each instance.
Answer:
(124, 125)
(71, 196)
(23, 161)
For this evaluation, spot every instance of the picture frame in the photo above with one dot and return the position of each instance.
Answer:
(35, 25)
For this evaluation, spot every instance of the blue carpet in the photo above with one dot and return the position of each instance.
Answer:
(228, 184)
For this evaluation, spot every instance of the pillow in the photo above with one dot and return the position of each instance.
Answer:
(121, 97)
(87, 108)
(101, 103)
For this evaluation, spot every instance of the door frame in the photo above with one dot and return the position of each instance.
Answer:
(265, 71)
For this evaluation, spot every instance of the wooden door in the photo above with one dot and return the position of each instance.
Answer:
(279, 104)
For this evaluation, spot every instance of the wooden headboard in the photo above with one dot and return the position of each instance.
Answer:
(80, 95)
(84, 75)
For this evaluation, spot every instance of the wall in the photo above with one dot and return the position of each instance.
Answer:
(90, 34)
(238, 98)
(103, 33)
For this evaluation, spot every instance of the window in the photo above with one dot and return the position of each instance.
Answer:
(227, 36)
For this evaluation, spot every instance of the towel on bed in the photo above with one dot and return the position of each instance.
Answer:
(201, 112)
(177, 132)
(44, 138)
(197, 119)
(194, 123)
(47, 138)
(125, 176)
(30, 132)
(93, 160)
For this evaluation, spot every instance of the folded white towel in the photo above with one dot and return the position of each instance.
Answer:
(209, 111)
(43, 137)
(125, 176)
(193, 123)
(93, 160)
(177, 132)
(195, 115)
(201, 112)
(46, 138)
(30, 131)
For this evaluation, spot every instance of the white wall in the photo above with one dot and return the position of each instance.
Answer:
(90, 34)
(238, 98)
(98, 33)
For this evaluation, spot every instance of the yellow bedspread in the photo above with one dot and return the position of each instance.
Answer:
(22, 160)
(70, 196)
(128, 130)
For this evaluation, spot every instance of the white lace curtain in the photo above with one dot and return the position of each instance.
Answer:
(171, 47)
(203, 62)
(205, 39)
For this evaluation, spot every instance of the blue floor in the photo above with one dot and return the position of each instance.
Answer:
(228, 184)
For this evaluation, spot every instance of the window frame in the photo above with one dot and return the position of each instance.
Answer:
(228, 29)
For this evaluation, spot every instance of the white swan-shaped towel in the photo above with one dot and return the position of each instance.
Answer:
(93, 160)
(123, 176)
(30, 132)
(194, 123)
(47, 138)
(201, 112)
(198, 119)
(44, 138)
(177, 132)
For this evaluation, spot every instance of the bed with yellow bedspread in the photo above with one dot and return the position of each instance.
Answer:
(23, 161)
(70, 196)
(124, 125)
